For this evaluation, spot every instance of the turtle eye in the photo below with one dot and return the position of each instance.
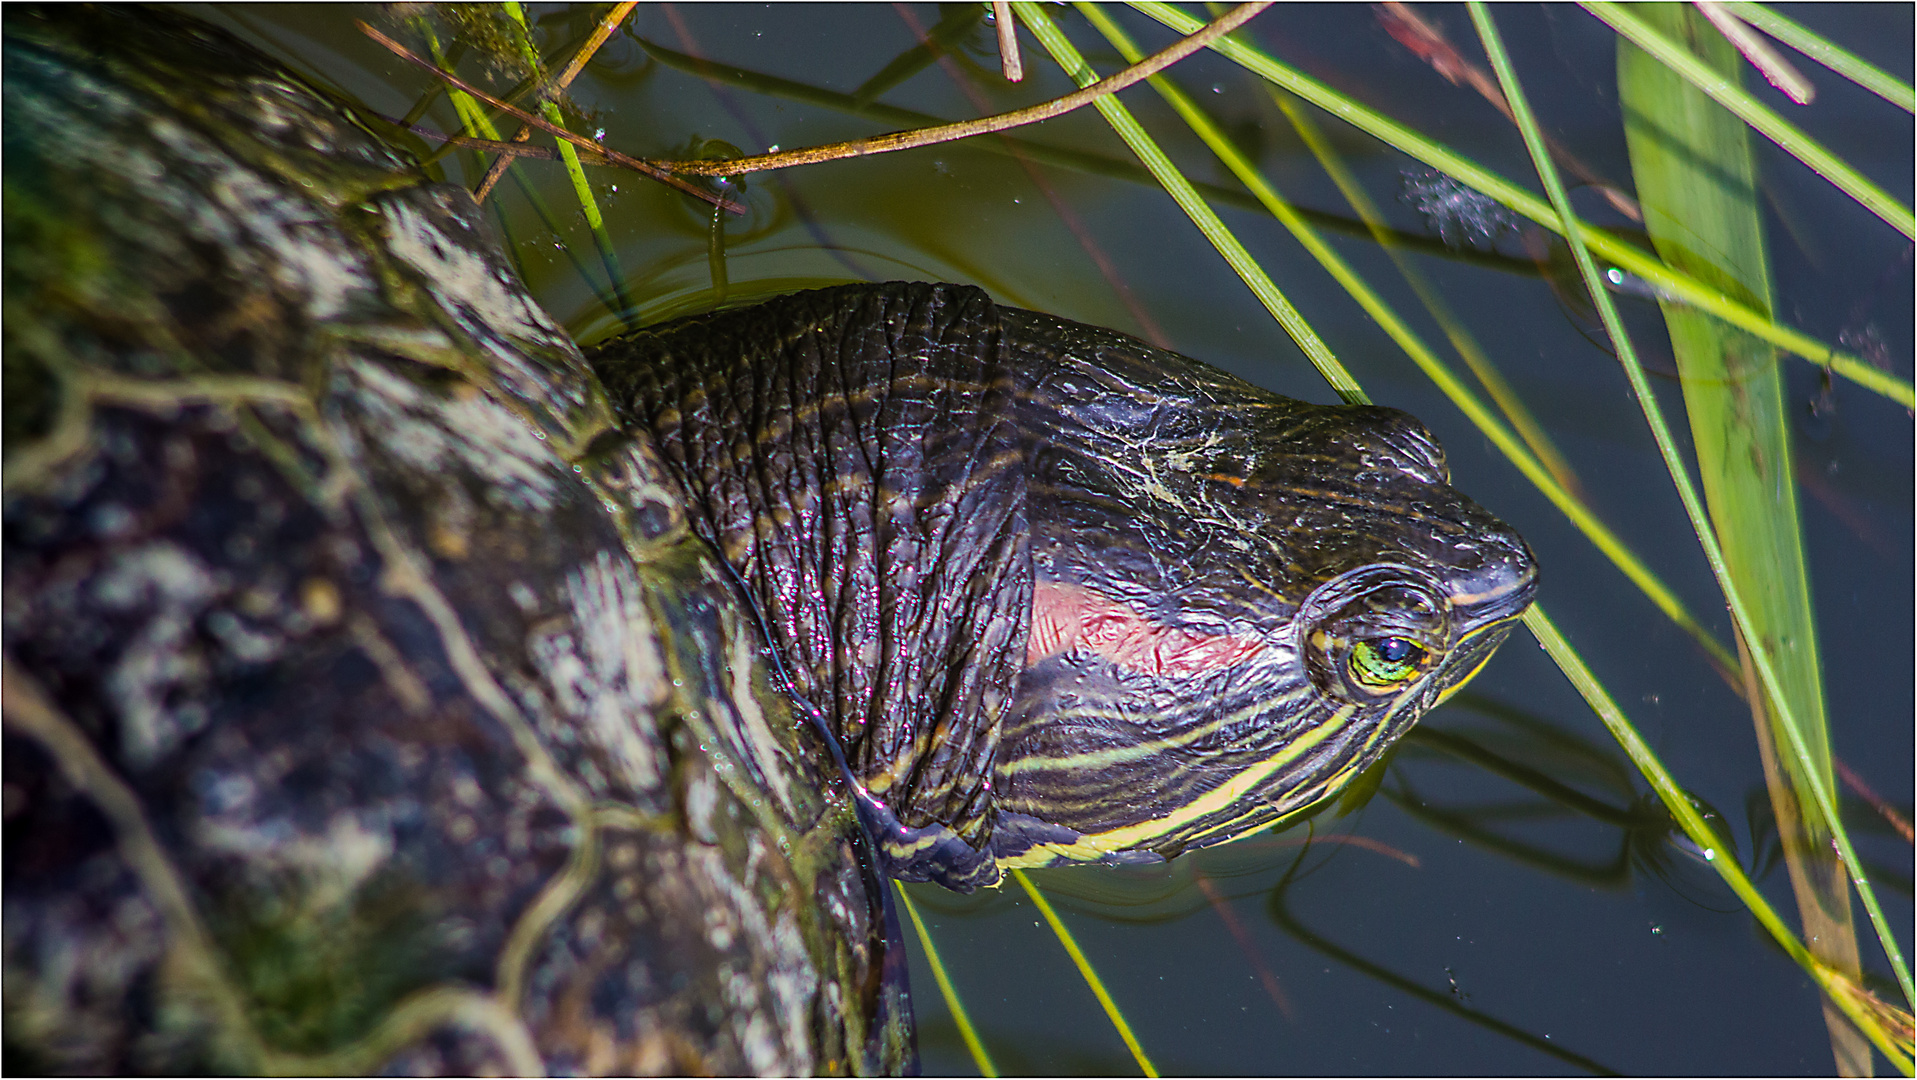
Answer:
(1384, 662)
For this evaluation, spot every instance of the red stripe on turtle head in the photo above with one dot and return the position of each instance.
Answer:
(1071, 618)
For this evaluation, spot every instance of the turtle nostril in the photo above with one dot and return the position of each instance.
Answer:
(1502, 587)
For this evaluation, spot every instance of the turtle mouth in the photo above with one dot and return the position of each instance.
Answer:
(1470, 656)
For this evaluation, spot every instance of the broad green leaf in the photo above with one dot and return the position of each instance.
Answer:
(1696, 181)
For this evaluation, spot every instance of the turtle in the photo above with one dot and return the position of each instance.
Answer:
(392, 687)
(1056, 595)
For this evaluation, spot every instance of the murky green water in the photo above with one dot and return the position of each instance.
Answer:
(1510, 902)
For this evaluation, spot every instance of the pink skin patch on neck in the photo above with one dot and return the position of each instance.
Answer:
(1068, 618)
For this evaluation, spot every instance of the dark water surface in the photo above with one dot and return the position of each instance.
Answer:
(1512, 900)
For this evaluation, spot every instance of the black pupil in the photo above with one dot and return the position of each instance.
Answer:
(1395, 650)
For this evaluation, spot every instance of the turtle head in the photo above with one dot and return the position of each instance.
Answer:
(1240, 601)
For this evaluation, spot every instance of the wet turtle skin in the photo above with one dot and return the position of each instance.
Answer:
(369, 704)
(1061, 596)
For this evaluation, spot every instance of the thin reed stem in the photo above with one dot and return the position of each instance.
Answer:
(1758, 116)
(1843, 62)
(1532, 465)
(1207, 220)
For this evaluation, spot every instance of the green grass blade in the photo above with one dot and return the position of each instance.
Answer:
(1188, 200)
(1686, 490)
(1850, 66)
(1697, 183)
(959, 1016)
(1703, 297)
(1085, 966)
(1053, 40)
(1435, 369)
(1758, 115)
(628, 312)
(1466, 171)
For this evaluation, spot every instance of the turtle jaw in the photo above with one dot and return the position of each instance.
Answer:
(1469, 658)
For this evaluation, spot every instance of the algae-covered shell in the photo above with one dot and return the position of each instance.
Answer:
(368, 705)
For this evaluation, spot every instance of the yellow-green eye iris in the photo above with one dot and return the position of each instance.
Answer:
(1384, 662)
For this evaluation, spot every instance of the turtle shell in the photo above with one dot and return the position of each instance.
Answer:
(369, 705)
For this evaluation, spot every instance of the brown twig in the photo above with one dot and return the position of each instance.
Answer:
(503, 162)
(1428, 43)
(493, 146)
(1008, 58)
(613, 157)
(905, 140)
(557, 84)
(599, 36)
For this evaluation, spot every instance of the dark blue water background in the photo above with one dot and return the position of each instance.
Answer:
(1461, 921)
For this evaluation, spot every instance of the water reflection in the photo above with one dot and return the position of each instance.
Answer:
(1626, 828)
(1451, 1001)
(1491, 775)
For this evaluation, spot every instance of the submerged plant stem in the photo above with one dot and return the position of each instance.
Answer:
(1085, 969)
(1429, 44)
(716, 256)
(952, 1003)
